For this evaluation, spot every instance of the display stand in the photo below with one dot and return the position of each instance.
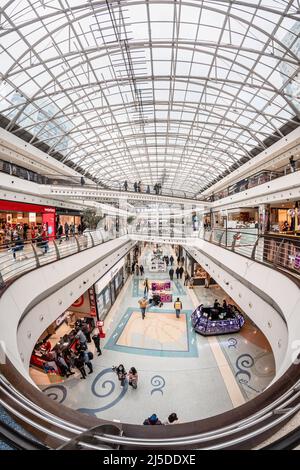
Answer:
(216, 321)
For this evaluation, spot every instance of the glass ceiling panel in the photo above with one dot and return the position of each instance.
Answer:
(147, 90)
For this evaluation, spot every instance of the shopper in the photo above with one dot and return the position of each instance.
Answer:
(67, 228)
(181, 272)
(59, 233)
(137, 270)
(96, 339)
(142, 270)
(216, 303)
(143, 305)
(171, 260)
(186, 278)
(171, 273)
(152, 420)
(82, 338)
(133, 377)
(121, 373)
(125, 185)
(167, 260)
(177, 272)
(72, 230)
(82, 181)
(25, 231)
(79, 364)
(148, 189)
(178, 307)
(42, 242)
(135, 186)
(133, 268)
(224, 306)
(146, 287)
(33, 233)
(206, 280)
(86, 330)
(87, 356)
(63, 366)
(46, 345)
(172, 419)
(139, 186)
(292, 164)
(19, 246)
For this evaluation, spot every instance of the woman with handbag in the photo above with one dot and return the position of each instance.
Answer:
(133, 377)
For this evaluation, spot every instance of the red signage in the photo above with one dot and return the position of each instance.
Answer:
(23, 207)
(92, 301)
(79, 302)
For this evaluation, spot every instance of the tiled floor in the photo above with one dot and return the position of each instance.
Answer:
(178, 370)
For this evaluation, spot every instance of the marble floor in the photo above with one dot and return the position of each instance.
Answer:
(179, 371)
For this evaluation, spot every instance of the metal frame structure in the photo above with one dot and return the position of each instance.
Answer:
(176, 92)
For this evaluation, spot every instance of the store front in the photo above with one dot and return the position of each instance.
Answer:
(18, 215)
(68, 216)
(285, 218)
(109, 286)
(196, 271)
(60, 336)
(245, 218)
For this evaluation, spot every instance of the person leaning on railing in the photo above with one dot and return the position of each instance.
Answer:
(292, 164)
(19, 246)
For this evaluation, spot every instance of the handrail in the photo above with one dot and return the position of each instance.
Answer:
(254, 180)
(20, 256)
(277, 251)
(162, 193)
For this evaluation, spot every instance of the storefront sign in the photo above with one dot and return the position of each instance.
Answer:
(79, 302)
(60, 319)
(84, 304)
(93, 311)
(49, 210)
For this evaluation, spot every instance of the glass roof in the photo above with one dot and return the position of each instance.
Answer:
(174, 92)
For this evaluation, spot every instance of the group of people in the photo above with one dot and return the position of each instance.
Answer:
(14, 237)
(153, 420)
(9, 233)
(66, 360)
(144, 302)
(168, 260)
(137, 269)
(138, 187)
(131, 377)
(223, 311)
(69, 230)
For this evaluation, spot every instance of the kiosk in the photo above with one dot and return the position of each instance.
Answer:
(217, 321)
